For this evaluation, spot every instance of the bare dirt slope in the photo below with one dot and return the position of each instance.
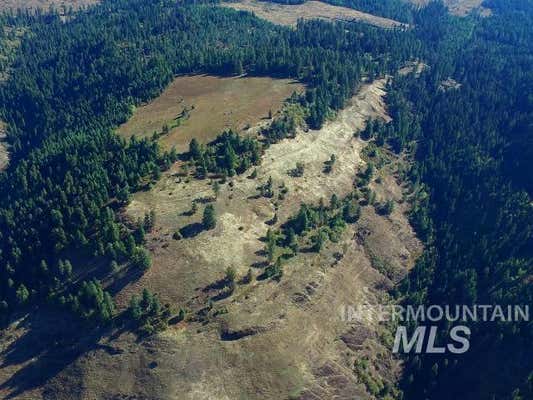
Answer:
(212, 104)
(290, 14)
(268, 340)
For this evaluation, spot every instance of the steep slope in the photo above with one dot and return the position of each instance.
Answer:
(268, 340)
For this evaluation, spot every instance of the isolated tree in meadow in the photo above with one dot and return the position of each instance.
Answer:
(209, 218)
(271, 245)
(248, 277)
(216, 188)
(149, 221)
(231, 274)
(194, 208)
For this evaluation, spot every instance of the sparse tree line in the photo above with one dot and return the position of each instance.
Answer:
(308, 230)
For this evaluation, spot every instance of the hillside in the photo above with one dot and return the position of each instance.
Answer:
(44, 4)
(270, 315)
(459, 7)
(289, 14)
(206, 203)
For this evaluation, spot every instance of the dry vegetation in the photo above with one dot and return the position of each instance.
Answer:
(45, 4)
(268, 340)
(202, 106)
(4, 154)
(415, 66)
(289, 14)
(459, 7)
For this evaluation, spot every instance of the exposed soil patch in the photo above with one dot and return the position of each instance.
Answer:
(203, 106)
(290, 14)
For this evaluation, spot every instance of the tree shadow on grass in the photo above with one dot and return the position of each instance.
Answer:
(123, 278)
(191, 230)
(51, 342)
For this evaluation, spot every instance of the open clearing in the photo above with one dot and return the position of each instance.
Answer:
(290, 14)
(290, 341)
(297, 344)
(211, 104)
(44, 4)
(4, 154)
(459, 7)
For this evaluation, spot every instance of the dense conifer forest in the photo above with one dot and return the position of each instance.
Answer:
(70, 84)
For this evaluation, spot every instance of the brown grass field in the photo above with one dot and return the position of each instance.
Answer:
(44, 4)
(289, 14)
(459, 7)
(295, 345)
(219, 104)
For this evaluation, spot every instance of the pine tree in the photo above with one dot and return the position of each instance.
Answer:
(141, 258)
(209, 217)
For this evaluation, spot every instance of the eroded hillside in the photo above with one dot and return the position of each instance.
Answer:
(267, 339)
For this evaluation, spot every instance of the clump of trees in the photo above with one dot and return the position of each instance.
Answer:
(298, 170)
(314, 225)
(91, 302)
(227, 155)
(148, 314)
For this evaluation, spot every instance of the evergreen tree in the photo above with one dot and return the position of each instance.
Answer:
(209, 217)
